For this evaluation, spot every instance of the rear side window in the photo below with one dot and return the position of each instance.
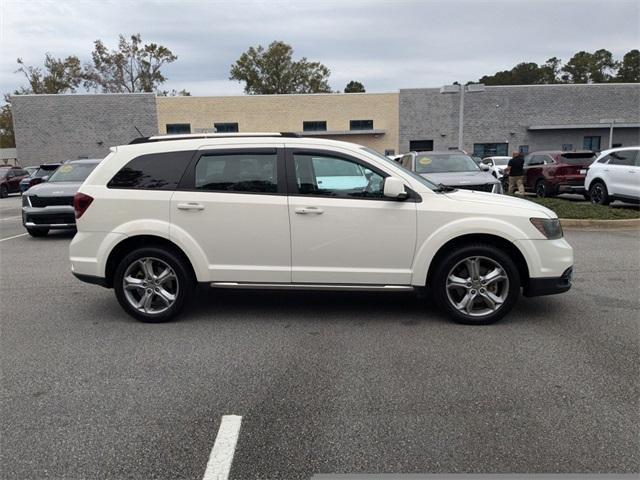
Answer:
(155, 171)
(237, 172)
(578, 158)
(623, 157)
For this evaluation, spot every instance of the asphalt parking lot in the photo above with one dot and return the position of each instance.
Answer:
(324, 382)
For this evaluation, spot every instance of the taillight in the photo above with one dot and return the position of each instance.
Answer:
(80, 203)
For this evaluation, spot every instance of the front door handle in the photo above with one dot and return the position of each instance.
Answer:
(190, 206)
(306, 210)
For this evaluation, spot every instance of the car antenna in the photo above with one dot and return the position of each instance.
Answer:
(138, 130)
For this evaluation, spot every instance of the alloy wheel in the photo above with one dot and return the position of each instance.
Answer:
(596, 193)
(150, 285)
(477, 286)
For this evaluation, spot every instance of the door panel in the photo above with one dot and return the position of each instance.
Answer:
(346, 234)
(237, 213)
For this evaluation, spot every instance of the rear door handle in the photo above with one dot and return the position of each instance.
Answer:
(306, 210)
(190, 206)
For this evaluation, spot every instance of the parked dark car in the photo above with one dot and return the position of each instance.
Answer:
(10, 178)
(49, 205)
(40, 175)
(550, 173)
(452, 168)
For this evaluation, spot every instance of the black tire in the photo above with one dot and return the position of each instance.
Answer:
(38, 232)
(542, 189)
(598, 193)
(4, 191)
(184, 281)
(511, 291)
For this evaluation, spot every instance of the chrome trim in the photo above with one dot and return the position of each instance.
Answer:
(313, 286)
(49, 225)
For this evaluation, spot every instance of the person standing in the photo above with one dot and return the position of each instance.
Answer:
(515, 170)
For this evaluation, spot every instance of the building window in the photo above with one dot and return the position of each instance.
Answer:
(420, 145)
(361, 125)
(389, 152)
(616, 145)
(314, 126)
(591, 143)
(490, 149)
(226, 127)
(567, 147)
(523, 149)
(178, 128)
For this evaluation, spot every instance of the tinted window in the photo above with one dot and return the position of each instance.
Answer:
(178, 128)
(316, 126)
(237, 172)
(623, 157)
(336, 177)
(226, 127)
(156, 171)
(45, 170)
(361, 124)
(73, 172)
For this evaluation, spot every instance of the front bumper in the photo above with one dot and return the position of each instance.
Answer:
(536, 287)
(58, 217)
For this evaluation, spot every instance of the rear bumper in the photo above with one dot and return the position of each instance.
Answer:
(571, 188)
(91, 279)
(549, 286)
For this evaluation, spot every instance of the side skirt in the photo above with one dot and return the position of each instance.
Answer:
(313, 286)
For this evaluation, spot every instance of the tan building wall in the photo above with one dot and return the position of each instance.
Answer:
(285, 113)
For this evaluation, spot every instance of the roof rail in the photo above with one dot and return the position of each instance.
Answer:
(198, 136)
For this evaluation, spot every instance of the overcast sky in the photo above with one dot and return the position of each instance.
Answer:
(386, 45)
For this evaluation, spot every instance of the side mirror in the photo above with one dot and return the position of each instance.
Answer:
(484, 167)
(394, 188)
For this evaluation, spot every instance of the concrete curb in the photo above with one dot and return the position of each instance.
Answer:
(576, 223)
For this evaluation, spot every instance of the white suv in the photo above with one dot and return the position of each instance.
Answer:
(615, 175)
(163, 214)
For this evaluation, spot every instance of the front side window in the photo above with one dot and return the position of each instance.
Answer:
(336, 177)
(226, 127)
(73, 172)
(156, 171)
(237, 172)
(361, 125)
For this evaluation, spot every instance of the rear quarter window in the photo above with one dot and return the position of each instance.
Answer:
(154, 171)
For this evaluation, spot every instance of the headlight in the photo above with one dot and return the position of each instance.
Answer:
(25, 200)
(501, 170)
(549, 227)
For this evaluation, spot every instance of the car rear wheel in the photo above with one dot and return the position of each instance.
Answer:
(599, 194)
(477, 284)
(542, 189)
(38, 232)
(152, 284)
(4, 191)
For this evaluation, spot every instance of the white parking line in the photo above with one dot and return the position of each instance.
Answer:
(219, 464)
(15, 236)
(10, 218)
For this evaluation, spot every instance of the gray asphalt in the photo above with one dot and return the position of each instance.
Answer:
(325, 382)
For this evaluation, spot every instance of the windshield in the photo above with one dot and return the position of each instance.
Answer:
(416, 177)
(501, 161)
(44, 171)
(442, 163)
(72, 172)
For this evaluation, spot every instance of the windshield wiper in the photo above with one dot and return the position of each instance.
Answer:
(444, 188)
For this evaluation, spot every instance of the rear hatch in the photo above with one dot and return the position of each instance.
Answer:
(574, 163)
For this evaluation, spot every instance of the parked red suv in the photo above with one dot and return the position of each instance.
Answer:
(550, 173)
(10, 180)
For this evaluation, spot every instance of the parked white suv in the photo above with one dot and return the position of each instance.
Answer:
(278, 211)
(615, 175)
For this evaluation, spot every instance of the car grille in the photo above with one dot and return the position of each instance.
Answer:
(50, 201)
(485, 187)
(50, 219)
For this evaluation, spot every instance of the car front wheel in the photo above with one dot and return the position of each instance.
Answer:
(152, 284)
(476, 284)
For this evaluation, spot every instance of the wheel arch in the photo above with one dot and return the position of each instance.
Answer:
(490, 239)
(128, 244)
